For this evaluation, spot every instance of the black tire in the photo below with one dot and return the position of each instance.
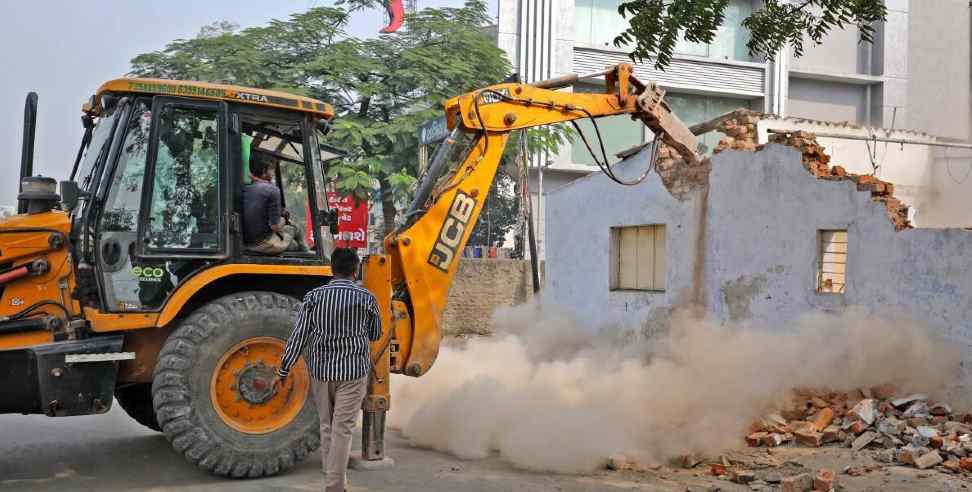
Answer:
(181, 389)
(136, 401)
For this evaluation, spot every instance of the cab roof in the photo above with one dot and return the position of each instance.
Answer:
(205, 90)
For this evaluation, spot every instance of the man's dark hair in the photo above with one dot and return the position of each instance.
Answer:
(344, 261)
(260, 162)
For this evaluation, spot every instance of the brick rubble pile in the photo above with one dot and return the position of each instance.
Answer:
(909, 430)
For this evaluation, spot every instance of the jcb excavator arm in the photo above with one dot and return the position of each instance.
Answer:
(421, 255)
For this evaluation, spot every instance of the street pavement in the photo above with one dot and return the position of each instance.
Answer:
(113, 452)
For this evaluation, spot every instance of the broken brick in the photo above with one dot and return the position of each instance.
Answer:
(909, 454)
(884, 391)
(718, 469)
(952, 466)
(824, 481)
(831, 434)
(797, 483)
(756, 438)
(823, 419)
(886, 408)
(742, 476)
(936, 442)
(857, 427)
(808, 438)
(773, 440)
(965, 464)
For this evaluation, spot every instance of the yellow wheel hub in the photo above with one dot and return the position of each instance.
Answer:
(242, 387)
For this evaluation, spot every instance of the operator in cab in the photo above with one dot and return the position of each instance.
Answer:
(266, 224)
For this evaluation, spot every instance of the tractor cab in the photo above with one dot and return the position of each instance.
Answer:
(138, 287)
(161, 178)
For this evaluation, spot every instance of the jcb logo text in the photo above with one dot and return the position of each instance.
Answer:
(454, 227)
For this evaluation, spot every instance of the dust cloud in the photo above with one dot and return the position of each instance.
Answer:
(549, 395)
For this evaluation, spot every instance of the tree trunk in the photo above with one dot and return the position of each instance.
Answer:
(388, 210)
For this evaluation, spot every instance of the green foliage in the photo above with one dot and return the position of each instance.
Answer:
(383, 89)
(656, 25)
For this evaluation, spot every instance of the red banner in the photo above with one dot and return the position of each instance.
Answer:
(352, 221)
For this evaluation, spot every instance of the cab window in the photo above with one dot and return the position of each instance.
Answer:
(283, 141)
(183, 208)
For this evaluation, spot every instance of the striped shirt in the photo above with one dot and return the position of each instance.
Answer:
(338, 319)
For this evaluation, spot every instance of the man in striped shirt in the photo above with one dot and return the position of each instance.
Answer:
(337, 321)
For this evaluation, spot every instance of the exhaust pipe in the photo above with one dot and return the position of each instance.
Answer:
(27, 150)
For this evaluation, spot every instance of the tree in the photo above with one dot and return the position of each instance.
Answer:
(656, 25)
(382, 89)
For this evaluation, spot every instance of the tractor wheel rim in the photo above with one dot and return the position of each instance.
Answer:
(241, 387)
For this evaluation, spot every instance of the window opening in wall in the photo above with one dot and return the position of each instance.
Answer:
(832, 261)
(638, 258)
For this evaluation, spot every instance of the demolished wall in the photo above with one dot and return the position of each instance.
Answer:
(758, 215)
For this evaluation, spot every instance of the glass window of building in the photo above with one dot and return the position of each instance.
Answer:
(618, 132)
(694, 108)
(598, 23)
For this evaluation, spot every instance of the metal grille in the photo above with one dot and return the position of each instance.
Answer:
(832, 262)
(707, 76)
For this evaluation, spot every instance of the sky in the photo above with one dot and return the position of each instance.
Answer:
(65, 49)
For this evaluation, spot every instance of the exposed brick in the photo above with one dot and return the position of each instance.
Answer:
(808, 438)
(823, 418)
(824, 480)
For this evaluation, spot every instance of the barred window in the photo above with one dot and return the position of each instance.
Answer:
(832, 261)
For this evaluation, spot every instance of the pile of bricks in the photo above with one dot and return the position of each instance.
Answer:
(740, 131)
(907, 430)
(681, 177)
(816, 160)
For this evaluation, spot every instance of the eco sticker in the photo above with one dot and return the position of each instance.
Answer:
(148, 274)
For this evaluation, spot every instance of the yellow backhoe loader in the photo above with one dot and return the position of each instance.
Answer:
(133, 283)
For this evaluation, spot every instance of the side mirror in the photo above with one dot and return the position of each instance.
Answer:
(70, 194)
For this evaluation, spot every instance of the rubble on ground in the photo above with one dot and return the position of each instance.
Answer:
(895, 430)
(910, 430)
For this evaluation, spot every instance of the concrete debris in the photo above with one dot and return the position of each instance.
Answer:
(865, 411)
(742, 476)
(901, 402)
(926, 431)
(863, 440)
(928, 460)
(901, 430)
